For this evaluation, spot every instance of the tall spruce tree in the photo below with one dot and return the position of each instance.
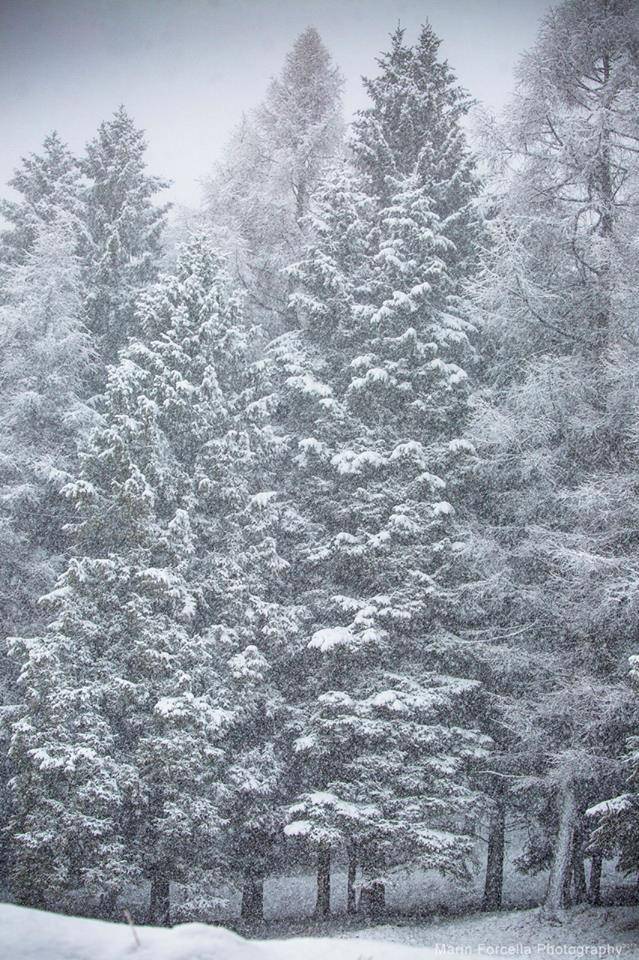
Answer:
(122, 243)
(373, 397)
(413, 128)
(552, 425)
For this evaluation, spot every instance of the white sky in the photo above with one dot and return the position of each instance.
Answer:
(186, 69)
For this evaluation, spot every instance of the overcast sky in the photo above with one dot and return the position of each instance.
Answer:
(186, 69)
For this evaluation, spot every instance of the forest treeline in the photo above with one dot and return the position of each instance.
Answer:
(320, 527)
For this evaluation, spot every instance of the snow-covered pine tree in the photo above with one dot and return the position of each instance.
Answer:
(119, 752)
(372, 396)
(39, 287)
(45, 358)
(413, 128)
(44, 370)
(247, 593)
(552, 427)
(47, 183)
(313, 420)
(259, 196)
(122, 244)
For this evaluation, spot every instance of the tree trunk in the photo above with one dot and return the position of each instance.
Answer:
(107, 905)
(301, 194)
(323, 905)
(579, 887)
(494, 883)
(603, 185)
(372, 900)
(351, 903)
(594, 888)
(566, 898)
(252, 897)
(159, 902)
(562, 854)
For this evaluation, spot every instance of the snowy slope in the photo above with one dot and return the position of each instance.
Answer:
(611, 932)
(585, 932)
(34, 935)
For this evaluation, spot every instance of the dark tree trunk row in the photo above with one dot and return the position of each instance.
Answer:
(566, 884)
(372, 900)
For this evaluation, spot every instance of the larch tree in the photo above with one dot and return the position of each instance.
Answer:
(553, 423)
(44, 371)
(258, 198)
(39, 400)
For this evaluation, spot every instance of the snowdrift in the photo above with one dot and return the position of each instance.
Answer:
(34, 935)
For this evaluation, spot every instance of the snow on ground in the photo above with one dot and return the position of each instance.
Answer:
(446, 917)
(604, 932)
(33, 935)
(585, 933)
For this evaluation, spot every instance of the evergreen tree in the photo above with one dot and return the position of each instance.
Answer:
(44, 369)
(413, 128)
(258, 198)
(376, 376)
(119, 753)
(246, 591)
(44, 375)
(47, 183)
(386, 735)
(122, 244)
(45, 359)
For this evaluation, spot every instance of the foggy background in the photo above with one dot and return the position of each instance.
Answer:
(186, 69)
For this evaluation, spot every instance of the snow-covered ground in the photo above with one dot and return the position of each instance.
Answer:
(587, 932)
(33, 935)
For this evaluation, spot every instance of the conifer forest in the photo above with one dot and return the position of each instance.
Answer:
(319, 504)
